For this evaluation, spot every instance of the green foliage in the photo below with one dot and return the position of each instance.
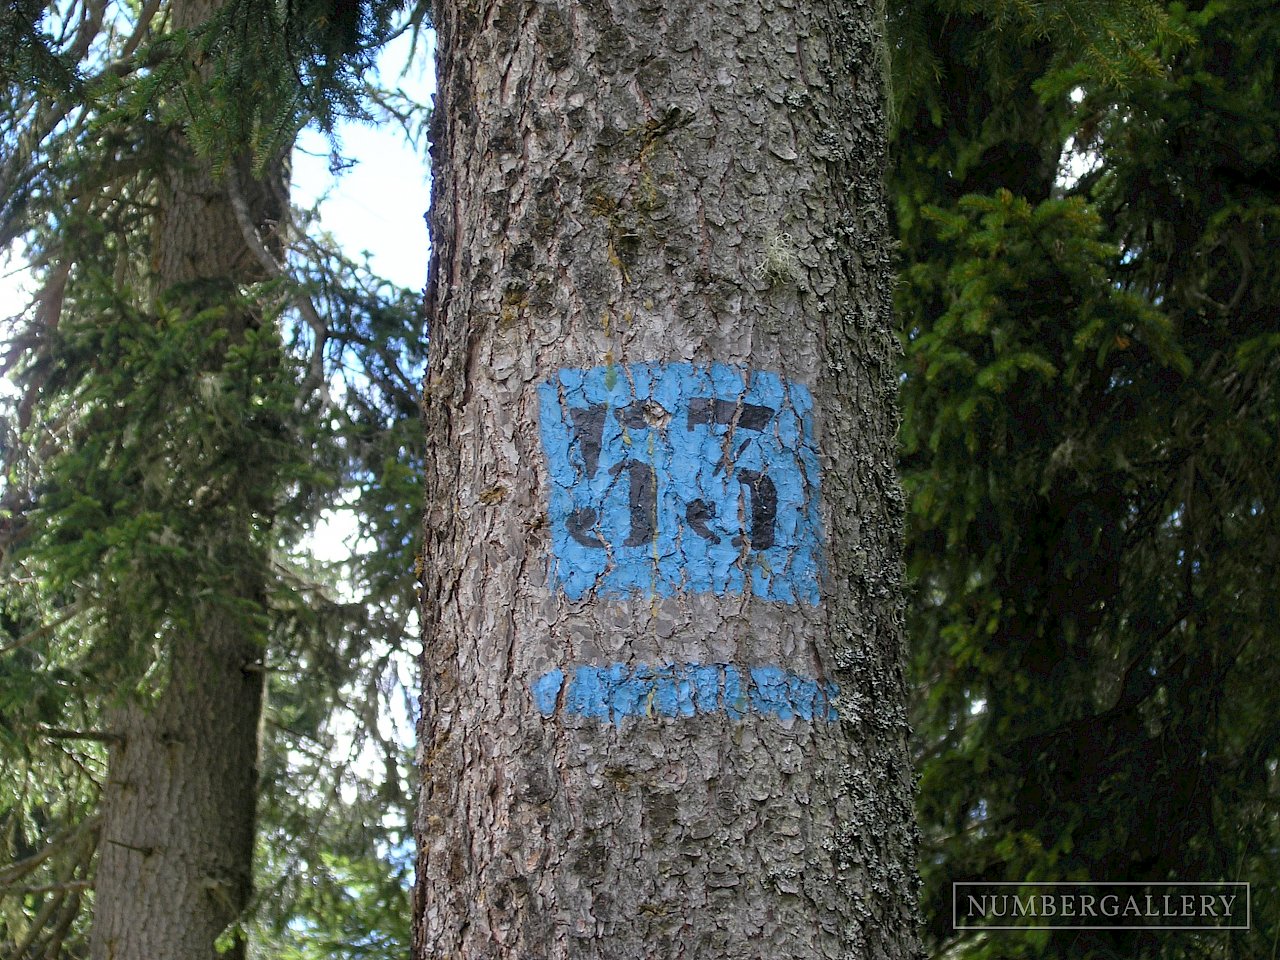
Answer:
(354, 910)
(1090, 445)
(166, 445)
(30, 55)
(935, 46)
(177, 440)
(337, 802)
(50, 781)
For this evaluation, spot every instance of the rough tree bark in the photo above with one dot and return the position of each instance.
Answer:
(663, 705)
(175, 867)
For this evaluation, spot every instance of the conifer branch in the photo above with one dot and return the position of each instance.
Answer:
(91, 18)
(53, 946)
(319, 328)
(64, 885)
(62, 840)
(40, 922)
(144, 21)
(66, 907)
(39, 633)
(99, 736)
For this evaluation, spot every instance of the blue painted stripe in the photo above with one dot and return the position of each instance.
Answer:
(684, 690)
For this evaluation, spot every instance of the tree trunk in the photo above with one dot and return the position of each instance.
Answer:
(663, 705)
(175, 868)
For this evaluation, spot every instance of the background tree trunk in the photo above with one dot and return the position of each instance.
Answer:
(176, 858)
(177, 842)
(663, 707)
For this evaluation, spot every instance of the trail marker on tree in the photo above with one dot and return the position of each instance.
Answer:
(663, 708)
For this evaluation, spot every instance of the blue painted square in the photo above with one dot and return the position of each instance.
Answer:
(670, 477)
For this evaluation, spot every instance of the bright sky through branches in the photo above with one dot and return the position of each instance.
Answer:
(377, 205)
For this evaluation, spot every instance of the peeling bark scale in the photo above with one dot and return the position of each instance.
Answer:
(663, 699)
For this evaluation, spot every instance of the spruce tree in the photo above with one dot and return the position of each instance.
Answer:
(1090, 451)
(663, 708)
(175, 429)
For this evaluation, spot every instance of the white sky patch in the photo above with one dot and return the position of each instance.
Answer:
(378, 205)
(17, 285)
(335, 537)
(1075, 162)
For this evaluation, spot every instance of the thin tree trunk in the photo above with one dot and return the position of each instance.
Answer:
(663, 705)
(175, 868)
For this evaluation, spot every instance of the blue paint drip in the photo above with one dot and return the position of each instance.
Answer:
(672, 477)
(613, 692)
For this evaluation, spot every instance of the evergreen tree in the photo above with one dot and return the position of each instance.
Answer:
(664, 712)
(176, 429)
(1090, 441)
